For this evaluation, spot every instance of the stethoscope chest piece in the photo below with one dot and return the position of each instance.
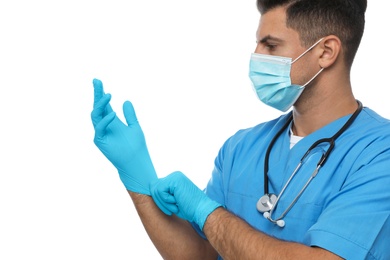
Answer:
(266, 202)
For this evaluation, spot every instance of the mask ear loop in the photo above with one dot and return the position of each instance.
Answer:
(307, 83)
(314, 45)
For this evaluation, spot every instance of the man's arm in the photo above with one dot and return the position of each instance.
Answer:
(228, 234)
(173, 237)
(235, 239)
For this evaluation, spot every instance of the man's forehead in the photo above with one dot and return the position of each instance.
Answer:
(272, 26)
(272, 22)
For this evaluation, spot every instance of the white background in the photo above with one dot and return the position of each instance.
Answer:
(183, 64)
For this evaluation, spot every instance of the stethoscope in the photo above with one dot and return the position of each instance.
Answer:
(268, 202)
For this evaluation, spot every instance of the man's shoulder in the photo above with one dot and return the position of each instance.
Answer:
(372, 122)
(260, 132)
(265, 126)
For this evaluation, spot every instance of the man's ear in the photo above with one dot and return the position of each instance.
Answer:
(331, 51)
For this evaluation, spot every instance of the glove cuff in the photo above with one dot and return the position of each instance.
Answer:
(138, 174)
(204, 210)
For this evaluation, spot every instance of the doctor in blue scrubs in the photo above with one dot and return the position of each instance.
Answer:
(313, 183)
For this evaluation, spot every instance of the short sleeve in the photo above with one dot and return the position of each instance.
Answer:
(355, 224)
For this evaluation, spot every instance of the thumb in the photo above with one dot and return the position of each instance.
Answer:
(128, 111)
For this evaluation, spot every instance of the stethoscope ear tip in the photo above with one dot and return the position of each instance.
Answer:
(281, 223)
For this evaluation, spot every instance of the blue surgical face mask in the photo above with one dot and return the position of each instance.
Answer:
(271, 79)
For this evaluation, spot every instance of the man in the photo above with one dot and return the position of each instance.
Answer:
(311, 184)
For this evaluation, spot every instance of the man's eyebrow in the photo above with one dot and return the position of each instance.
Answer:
(269, 37)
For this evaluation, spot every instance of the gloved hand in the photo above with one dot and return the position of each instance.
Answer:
(123, 145)
(179, 195)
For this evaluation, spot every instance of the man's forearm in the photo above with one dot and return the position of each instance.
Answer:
(233, 238)
(173, 237)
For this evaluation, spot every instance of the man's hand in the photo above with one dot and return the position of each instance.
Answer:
(178, 195)
(123, 144)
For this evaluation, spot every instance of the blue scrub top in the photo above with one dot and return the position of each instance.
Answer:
(346, 207)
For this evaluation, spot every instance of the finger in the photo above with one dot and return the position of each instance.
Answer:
(165, 201)
(165, 206)
(129, 112)
(98, 112)
(162, 206)
(167, 197)
(99, 93)
(100, 129)
(97, 90)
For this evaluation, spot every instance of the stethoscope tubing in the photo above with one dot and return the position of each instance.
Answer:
(321, 162)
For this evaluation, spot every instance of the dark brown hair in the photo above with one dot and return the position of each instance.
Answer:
(314, 19)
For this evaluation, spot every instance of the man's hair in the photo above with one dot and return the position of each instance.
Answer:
(314, 19)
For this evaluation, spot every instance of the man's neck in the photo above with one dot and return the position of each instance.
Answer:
(308, 120)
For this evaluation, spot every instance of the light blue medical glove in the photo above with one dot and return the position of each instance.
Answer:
(123, 144)
(179, 195)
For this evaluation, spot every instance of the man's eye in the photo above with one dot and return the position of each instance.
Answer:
(270, 47)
